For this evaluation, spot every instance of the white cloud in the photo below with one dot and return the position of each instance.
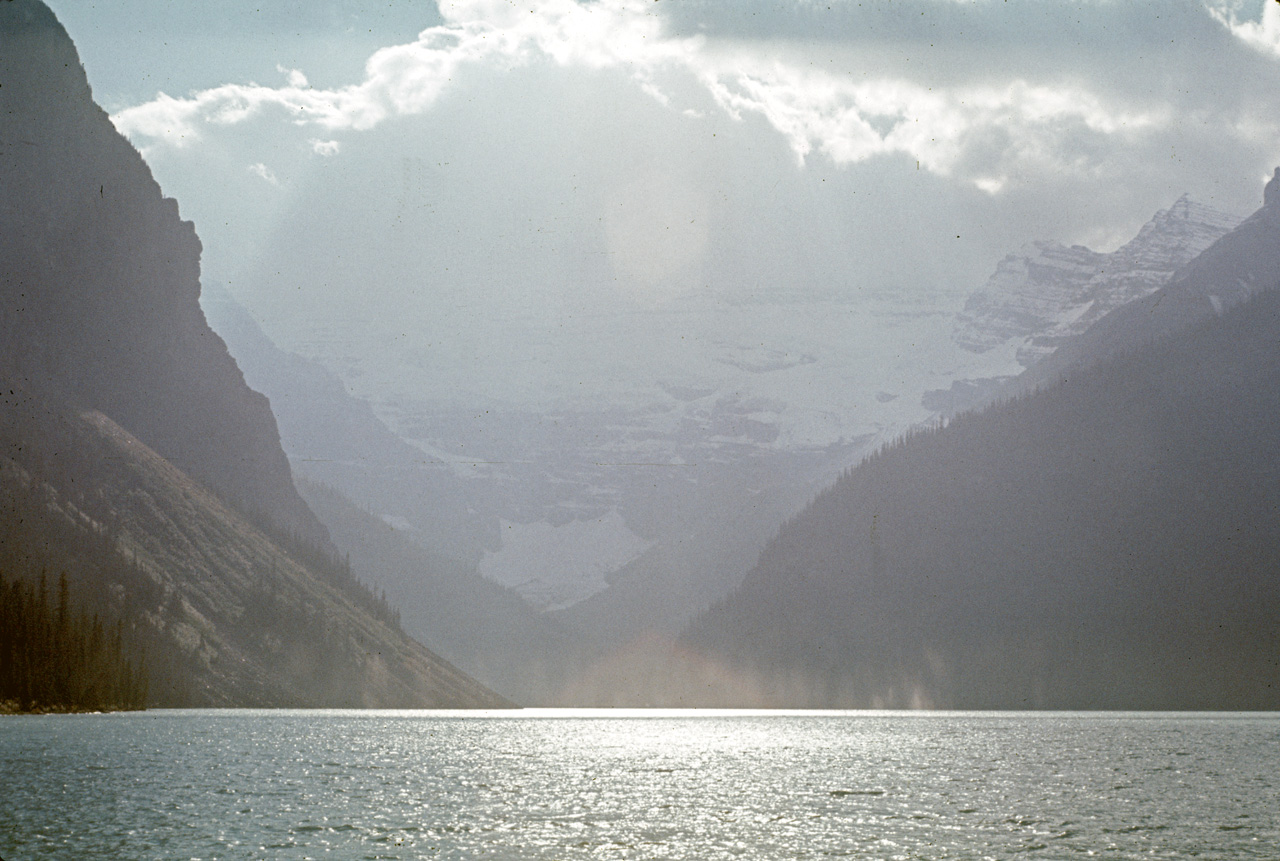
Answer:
(293, 76)
(937, 126)
(1262, 34)
(976, 133)
(263, 172)
(325, 148)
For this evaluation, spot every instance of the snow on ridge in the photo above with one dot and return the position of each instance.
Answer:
(1048, 292)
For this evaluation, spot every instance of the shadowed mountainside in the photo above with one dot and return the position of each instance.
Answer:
(134, 459)
(1108, 542)
(481, 626)
(99, 281)
(225, 613)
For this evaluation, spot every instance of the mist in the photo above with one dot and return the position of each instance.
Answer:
(588, 300)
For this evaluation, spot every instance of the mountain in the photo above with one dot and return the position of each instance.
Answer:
(1049, 292)
(599, 531)
(221, 612)
(99, 279)
(1229, 271)
(335, 440)
(627, 520)
(338, 440)
(135, 463)
(1108, 541)
(477, 624)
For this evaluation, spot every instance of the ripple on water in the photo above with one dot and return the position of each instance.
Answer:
(401, 786)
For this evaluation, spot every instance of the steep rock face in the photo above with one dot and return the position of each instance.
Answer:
(1025, 294)
(99, 282)
(1231, 270)
(1048, 292)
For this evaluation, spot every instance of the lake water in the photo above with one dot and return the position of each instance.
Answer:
(696, 785)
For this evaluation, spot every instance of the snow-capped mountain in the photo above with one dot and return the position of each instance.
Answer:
(1048, 292)
(630, 497)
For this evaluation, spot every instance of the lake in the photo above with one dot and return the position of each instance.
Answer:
(243, 784)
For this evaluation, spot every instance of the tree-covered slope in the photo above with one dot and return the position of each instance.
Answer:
(1109, 542)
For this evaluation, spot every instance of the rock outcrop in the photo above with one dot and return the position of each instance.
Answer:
(1232, 269)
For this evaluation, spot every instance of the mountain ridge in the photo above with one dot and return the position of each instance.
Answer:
(1048, 292)
(1105, 540)
(133, 456)
(99, 281)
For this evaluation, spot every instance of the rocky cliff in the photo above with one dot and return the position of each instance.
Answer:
(99, 281)
(134, 459)
(1049, 292)
(1232, 269)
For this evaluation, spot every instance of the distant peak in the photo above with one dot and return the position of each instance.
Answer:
(1184, 207)
(1271, 193)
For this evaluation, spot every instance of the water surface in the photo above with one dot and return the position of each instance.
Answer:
(631, 785)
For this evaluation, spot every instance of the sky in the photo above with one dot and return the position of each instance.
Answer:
(490, 199)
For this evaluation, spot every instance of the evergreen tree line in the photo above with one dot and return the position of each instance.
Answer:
(331, 566)
(56, 657)
(1106, 542)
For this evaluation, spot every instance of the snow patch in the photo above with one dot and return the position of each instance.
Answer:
(556, 566)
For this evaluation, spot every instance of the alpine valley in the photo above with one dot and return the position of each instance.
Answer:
(617, 525)
(1056, 489)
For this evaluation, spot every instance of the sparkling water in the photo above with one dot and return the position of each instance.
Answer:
(637, 784)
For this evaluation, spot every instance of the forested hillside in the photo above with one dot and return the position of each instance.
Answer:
(1109, 542)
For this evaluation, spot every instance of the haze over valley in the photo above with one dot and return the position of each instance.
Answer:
(634, 354)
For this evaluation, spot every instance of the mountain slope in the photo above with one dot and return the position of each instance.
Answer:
(483, 627)
(1050, 292)
(134, 459)
(99, 279)
(1109, 542)
(336, 439)
(228, 615)
(1229, 271)
(702, 536)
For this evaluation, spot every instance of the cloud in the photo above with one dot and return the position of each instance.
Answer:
(295, 78)
(325, 148)
(941, 127)
(980, 130)
(1262, 34)
(263, 172)
(407, 79)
